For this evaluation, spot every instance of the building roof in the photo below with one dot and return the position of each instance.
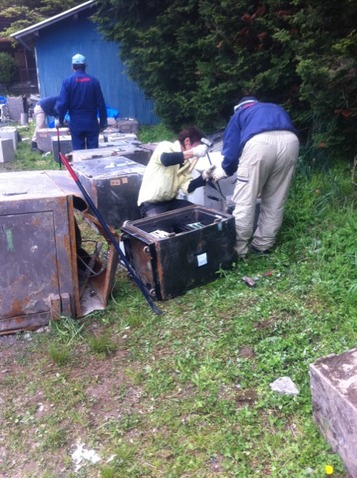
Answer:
(27, 35)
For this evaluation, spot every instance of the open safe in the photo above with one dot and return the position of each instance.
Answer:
(49, 270)
(178, 250)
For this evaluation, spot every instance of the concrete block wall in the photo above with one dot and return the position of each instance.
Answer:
(333, 382)
(7, 151)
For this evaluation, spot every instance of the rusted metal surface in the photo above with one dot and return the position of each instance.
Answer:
(36, 255)
(39, 279)
(176, 251)
(97, 291)
(113, 185)
(127, 148)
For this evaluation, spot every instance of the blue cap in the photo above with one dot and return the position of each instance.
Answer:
(78, 59)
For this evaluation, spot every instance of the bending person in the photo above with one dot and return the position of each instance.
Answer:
(169, 170)
(261, 144)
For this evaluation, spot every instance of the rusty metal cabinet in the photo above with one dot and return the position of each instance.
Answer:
(39, 279)
(179, 250)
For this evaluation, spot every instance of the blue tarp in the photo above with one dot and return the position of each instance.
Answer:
(111, 113)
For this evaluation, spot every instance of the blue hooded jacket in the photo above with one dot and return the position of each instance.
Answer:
(251, 117)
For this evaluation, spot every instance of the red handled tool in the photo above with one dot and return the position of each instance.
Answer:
(59, 147)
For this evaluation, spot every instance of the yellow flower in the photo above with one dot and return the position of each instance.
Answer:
(329, 469)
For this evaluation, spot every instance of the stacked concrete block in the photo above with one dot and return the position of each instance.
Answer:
(16, 107)
(9, 132)
(334, 397)
(62, 144)
(127, 125)
(7, 151)
(45, 135)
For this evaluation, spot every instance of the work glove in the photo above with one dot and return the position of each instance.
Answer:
(208, 173)
(200, 150)
(58, 123)
(219, 173)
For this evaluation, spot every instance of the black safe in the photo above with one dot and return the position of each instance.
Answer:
(179, 250)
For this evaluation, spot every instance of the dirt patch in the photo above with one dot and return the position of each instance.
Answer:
(47, 410)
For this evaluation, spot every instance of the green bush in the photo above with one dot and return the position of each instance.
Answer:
(7, 69)
(195, 59)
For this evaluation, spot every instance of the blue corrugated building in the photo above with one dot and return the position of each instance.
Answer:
(58, 38)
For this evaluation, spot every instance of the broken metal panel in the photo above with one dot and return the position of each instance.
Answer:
(179, 250)
(96, 292)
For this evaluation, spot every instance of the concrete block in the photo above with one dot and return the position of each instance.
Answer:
(45, 135)
(7, 152)
(16, 107)
(9, 132)
(65, 146)
(333, 382)
(127, 125)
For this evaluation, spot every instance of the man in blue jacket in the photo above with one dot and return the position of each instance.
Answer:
(261, 145)
(81, 96)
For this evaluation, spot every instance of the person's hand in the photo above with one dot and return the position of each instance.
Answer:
(200, 150)
(58, 123)
(219, 173)
(103, 127)
(208, 173)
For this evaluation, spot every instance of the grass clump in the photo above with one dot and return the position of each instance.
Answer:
(102, 345)
(60, 353)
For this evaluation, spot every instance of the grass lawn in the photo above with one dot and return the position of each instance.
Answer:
(187, 394)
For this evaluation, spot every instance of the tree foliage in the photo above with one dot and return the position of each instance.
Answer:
(7, 69)
(196, 58)
(24, 13)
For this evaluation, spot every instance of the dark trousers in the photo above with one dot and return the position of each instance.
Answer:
(84, 139)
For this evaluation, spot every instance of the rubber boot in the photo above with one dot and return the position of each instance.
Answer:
(34, 146)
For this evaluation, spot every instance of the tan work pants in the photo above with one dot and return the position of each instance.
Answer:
(265, 168)
(40, 119)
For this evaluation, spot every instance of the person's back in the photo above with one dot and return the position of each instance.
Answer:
(85, 95)
(81, 96)
(250, 119)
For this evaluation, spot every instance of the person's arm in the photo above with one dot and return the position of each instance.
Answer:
(196, 183)
(63, 103)
(102, 109)
(231, 146)
(170, 159)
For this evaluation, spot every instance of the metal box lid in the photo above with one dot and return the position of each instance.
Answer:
(37, 184)
(102, 168)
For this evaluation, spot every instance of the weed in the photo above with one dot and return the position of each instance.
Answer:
(60, 353)
(67, 330)
(54, 439)
(101, 345)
